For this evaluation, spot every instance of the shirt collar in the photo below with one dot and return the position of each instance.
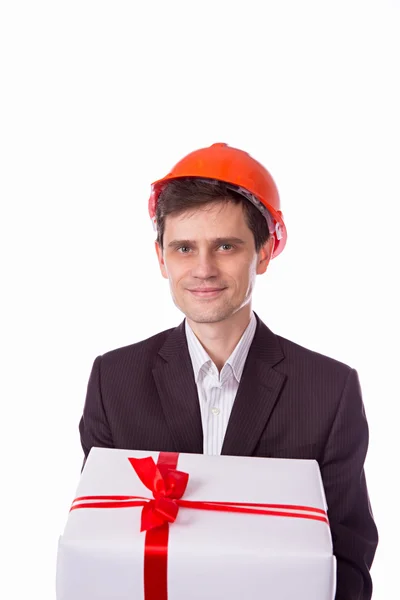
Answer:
(236, 360)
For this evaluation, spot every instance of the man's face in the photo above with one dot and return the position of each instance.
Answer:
(210, 260)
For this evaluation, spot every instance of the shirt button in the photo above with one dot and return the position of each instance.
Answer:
(215, 411)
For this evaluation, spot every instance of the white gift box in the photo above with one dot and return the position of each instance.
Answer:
(211, 555)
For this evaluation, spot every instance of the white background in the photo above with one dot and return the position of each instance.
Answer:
(98, 99)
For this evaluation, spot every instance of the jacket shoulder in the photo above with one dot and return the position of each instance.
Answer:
(305, 356)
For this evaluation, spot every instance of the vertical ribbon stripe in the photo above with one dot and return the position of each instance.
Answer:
(156, 545)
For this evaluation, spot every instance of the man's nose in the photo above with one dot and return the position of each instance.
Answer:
(204, 266)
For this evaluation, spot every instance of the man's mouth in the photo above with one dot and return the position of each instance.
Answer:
(206, 292)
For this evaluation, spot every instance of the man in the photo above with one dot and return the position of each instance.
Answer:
(222, 382)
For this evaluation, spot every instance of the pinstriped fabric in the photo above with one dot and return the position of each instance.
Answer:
(217, 391)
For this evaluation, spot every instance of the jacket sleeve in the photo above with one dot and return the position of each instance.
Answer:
(354, 534)
(94, 428)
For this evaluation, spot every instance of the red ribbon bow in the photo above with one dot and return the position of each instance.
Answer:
(166, 484)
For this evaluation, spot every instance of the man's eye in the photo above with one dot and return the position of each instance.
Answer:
(186, 249)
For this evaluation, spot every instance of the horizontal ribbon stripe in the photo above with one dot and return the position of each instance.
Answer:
(280, 510)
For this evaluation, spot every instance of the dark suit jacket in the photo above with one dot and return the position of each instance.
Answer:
(291, 403)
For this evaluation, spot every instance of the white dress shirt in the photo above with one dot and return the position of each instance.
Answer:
(217, 391)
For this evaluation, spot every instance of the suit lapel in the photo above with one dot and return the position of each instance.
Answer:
(255, 400)
(177, 389)
(257, 395)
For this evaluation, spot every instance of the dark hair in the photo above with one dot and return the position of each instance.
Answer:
(189, 193)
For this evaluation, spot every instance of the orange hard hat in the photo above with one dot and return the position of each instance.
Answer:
(237, 169)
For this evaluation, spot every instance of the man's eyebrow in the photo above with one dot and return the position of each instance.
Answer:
(217, 242)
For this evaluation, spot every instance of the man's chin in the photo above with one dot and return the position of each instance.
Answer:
(208, 316)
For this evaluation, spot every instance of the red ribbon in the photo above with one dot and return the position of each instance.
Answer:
(168, 486)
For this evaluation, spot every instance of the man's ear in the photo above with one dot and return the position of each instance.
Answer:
(161, 262)
(264, 255)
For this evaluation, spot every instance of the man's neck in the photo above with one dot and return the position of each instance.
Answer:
(220, 339)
